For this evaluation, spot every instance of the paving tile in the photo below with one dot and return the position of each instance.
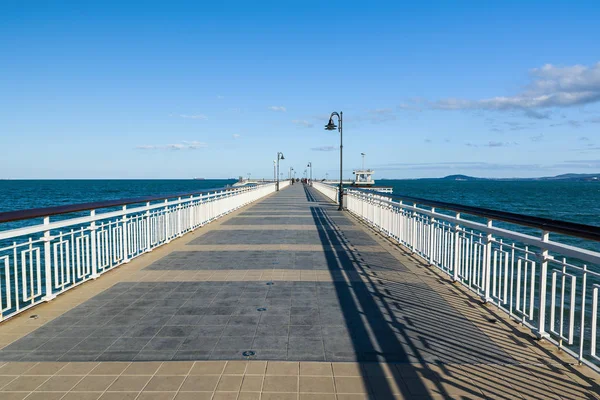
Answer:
(6, 379)
(109, 368)
(279, 396)
(175, 368)
(142, 368)
(235, 367)
(46, 395)
(194, 396)
(317, 396)
(25, 383)
(316, 384)
(256, 368)
(252, 383)
(208, 368)
(82, 396)
(119, 396)
(249, 396)
(60, 383)
(316, 368)
(16, 368)
(129, 383)
(14, 395)
(351, 385)
(164, 383)
(229, 383)
(347, 369)
(156, 396)
(280, 384)
(200, 383)
(283, 368)
(45, 368)
(95, 383)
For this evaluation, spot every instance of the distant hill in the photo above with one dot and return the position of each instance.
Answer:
(462, 178)
(572, 177)
(562, 177)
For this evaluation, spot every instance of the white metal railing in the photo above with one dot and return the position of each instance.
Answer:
(40, 261)
(284, 183)
(329, 191)
(550, 286)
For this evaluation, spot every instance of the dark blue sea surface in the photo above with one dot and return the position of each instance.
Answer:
(24, 194)
(567, 201)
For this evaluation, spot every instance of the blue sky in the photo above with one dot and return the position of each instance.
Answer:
(183, 89)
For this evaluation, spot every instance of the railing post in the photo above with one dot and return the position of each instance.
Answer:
(192, 213)
(93, 245)
(148, 228)
(48, 262)
(413, 236)
(541, 331)
(488, 264)
(167, 240)
(125, 238)
(431, 237)
(456, 262)
(179, 222)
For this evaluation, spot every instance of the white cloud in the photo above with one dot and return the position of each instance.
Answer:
(550, 86)
(278, 108)
(236, 136)
(324, 148)
(184, 145)
(492, 143)
(302, 122)
(197, 116)
(220, 97)
(469, 167)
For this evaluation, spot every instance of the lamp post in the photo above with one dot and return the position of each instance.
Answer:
(332, 127)
(290, 173)
(279, 157)
(310, 166)
(274, 171)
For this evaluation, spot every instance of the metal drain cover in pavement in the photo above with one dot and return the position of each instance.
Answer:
(249, 353)
(261, 309)
(270, 283)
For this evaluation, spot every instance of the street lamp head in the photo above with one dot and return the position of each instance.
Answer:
(281, 158)
(330, 126)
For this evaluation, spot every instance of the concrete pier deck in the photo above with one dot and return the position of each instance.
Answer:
(287, 298)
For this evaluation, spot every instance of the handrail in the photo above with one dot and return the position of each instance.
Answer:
(18, 215)
(546, 224)
(550, 286)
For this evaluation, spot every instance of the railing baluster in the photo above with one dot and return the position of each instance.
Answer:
(456, 260)
(47, 262)
(541, 329)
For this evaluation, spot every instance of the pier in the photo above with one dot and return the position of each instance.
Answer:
(253, 293)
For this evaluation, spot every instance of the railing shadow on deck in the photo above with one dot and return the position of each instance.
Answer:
(545, 356)
(359, 332)
(340, 256)
(309, 196)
